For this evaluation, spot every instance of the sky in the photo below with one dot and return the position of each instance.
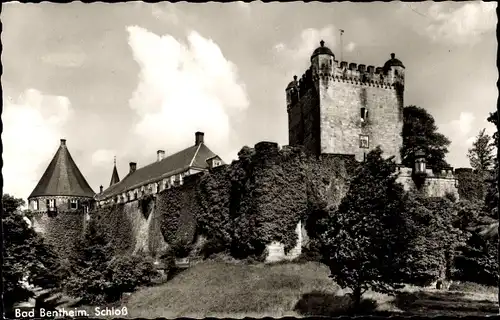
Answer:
(127, 79)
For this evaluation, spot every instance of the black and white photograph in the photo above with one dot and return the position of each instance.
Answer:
(249, 159)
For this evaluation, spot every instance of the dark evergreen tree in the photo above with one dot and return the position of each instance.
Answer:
(420, 133)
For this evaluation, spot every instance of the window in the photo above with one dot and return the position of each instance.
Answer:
(364, 114)
(34, 204)
(364, 141)
(74, 204)
(51, 203)
(216, 163)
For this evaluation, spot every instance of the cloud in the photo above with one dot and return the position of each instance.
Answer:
(309, 40)
(103, 157)
(184, 88)
(33, 125)
(464, 25)
(350, 47)
(295, 55)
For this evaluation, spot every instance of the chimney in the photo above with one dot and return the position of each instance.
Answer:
(198, 138)
(160, 154)
(63, 142)
(100, 188)
(393, 55)
(133, 166)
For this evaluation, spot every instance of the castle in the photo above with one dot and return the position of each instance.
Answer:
(346, 108)
(334, 109)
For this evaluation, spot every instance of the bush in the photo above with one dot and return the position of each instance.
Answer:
(130, 272)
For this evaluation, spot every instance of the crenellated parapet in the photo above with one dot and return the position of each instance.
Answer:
(445, 173)
(325, 69)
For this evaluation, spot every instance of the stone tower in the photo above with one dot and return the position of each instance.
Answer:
(62, 188)
(345, 108)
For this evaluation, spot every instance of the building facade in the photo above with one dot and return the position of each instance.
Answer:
(164, 173)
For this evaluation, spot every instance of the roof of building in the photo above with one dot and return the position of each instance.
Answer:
(114, 176)
(62, 177)
(193, 157)
(322, 50)
(393, 62)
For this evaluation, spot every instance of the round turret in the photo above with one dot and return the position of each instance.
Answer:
(322, 50)
(292, 84)
(393, 62)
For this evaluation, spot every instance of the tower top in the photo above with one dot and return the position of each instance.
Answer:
(393, 62)
(322, 50)
(62, 177)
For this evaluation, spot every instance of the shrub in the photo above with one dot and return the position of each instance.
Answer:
(129, 272)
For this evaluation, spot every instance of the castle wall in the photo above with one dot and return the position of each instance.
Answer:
(341, 101)
(303, 119)
(435, 184)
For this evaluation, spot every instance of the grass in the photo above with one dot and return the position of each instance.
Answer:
(223, 289)
(237, 290)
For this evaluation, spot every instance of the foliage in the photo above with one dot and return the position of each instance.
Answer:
(130, 272)
(256, 200)
(96, 276)
(420, 133)
(279, 197)
(470, 185)
(491, 197)
(366, 239)
(493, 118)
(476, 260)
(481, 154)
(116, 227)
(179, 207)
(89, 277)
(25, 256)
(214, 219)
(437, 231)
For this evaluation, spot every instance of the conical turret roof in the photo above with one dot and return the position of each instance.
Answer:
(114, 176)
(62, 177)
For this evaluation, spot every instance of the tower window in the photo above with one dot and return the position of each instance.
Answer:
(364, 142)
(35, 204)
(74, 204)
(51, 203)
(364, 114)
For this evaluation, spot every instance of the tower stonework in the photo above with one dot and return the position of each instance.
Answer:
(345, 108)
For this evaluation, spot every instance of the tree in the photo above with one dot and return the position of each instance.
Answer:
(89, 278)
(26, 258)
(481, 154)
(420, 132)
(366, 238)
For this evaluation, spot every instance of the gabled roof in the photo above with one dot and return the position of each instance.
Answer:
(193, 157)
(62, 177)
(114, 176)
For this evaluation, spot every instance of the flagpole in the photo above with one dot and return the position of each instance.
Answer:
(341, 45)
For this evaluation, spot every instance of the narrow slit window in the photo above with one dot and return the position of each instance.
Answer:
(364, 114)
